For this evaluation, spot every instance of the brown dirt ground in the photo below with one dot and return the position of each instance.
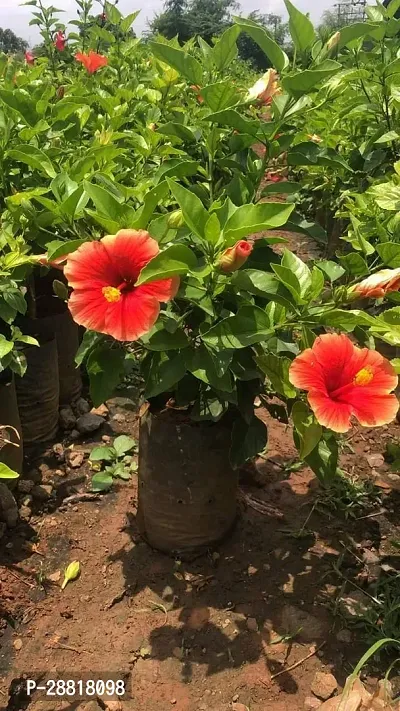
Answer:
(181, 631)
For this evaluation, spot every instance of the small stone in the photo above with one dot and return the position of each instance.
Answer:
(235, 698)
(60, 472)
(67, 418)
(178, 652)
(344, 636)
(25, 486)
(239, 707)
(119, 418)
(42, 492)
(35, 475)
(75, 434)
(324, 685)
(356, 604)
(106, 439)
(75, 458)
(27, 500)
(102, 410)
(252, 624)
(371, 558)
(89, 423)
(375, 460)
(251, 570)
(17, 644)
(298, 622)
(311, 703)
(82, 406)
(59, 454)
(25, 513)
(173, 702)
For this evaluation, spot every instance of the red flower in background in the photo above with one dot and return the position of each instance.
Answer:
(234, 257)
(92, 61)
(59, 41)
(273, 177)
(29, 57)
(378, 285)
(103, 276)
(345, 381)
(197, 91)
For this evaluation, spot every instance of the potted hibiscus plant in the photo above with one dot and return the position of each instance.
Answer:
(215, 319)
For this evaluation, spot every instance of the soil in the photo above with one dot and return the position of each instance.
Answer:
(248, 625)
(197, 636)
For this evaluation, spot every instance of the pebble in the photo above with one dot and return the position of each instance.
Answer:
(235, 698)
(75, 458)
(25, 486)
(324, 685)
(59, 454)
(75, 434)
(25, 513)
(17, 644)
(89, 423)
(106, 439)
(119, 418)
(67, 418)
(311, 703)
(252, 624)
(42, 492)
(27, 500)
(82, 406)
(102, 410)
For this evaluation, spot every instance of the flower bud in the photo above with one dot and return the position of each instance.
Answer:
(234, 257)
(333, 41)
(176, 220)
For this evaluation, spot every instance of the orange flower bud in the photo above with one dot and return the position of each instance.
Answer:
(234, 257)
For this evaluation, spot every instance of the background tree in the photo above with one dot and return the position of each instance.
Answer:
(10, 42)
(172, 21)
(207, 18)
(250, 51)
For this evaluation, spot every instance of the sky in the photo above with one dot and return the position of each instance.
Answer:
(15, 17)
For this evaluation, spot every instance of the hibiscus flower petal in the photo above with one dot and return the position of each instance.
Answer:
(163, 290)
(88, 308)
(334, 352)
(384, 377)
(334, 415)
(90, 266)
(132, 316)
(374, 410)
(306, 373)
(130, 251)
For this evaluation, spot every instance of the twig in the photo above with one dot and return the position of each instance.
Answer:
(21, 580)
(297, 664)
(81, 497)
(372, 515)
(162, 608)
(3, 693)
(69, 649)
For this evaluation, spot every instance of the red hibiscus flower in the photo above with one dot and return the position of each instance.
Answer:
(59, 41)
(234, 257)
(29, 57)
(345, 381)
(92, 61)
(378, 285)
(103, 276)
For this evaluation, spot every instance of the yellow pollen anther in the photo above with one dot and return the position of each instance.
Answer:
(364, 376)
(111, 294)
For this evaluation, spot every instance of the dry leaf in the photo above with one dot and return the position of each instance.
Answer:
(54, 577)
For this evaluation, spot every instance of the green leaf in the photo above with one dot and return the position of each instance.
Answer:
(204, 367)
(129, 20)
(89, 341)
(184, 63)
(71, 573)
(389, 252)
(173, 261)
(250, 219)
(354, 264)
(300, 27)
(220, 96)
(123, 444)
(7, 473)
(263, 284)
(248, 440)
(193, 210)
(159, 339)
(7, 313)
(305, 81)
(34, 157)
(141, 219)
(208, 407)
(16, 300)
(102, 454)
(332, 270)
(225, 50)
(289, 280)
(165, 371)
(122, 216)
(60, 289)
(232, 119)
(277, 370)
(299, 269)
(264, 40)
(351, 32)
(309, 431)
(250, 325)
(283, 188)
(101, 482)
(58, 249)
(212, 230)
(105, 367)
(323, 460)
(386, 196)
(179, 130)
(22, 103)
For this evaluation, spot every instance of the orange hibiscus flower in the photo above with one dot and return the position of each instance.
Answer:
(92, 61)
(103, 276)
(344, 381)
(378, 285)
(265, 88)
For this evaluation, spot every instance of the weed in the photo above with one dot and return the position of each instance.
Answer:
(117, 463)
(348, 495)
